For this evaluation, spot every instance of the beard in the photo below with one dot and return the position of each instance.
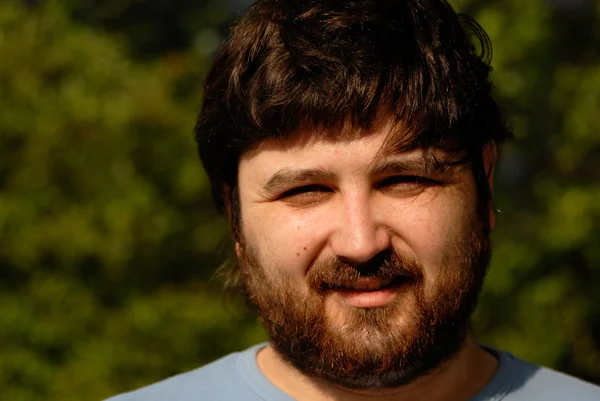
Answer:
(371, 348)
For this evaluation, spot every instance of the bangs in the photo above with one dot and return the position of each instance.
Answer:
(354, 73)
(340, 68)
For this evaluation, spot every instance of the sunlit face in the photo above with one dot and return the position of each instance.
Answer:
(365, 264)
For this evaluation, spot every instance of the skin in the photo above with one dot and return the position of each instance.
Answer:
(352, 200)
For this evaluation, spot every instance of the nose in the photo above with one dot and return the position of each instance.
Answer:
(360, 234)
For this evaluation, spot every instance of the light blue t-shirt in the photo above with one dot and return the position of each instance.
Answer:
(236, 377)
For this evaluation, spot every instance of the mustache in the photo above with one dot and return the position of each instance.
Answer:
(386, 266)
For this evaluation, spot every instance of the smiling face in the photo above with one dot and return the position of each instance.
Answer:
(365, 265)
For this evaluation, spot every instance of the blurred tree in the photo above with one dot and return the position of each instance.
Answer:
(106, 230)
(155, 27)
(108, 238)
(541, 299)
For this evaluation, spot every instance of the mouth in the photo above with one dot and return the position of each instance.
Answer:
(370, 292)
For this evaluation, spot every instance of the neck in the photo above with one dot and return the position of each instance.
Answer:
(457, 379)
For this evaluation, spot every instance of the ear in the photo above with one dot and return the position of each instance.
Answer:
(228, 213)
(238, 250)
(490, 153)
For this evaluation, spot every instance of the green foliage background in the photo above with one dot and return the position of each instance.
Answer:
(108, 238)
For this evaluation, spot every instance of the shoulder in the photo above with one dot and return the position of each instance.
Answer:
(532, 382)
(219, 380)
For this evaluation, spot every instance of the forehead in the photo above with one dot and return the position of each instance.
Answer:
(356, 147)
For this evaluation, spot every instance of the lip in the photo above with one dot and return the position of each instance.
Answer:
(368, 284)
(360, 296)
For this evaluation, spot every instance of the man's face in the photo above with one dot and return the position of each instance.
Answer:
(365, 265)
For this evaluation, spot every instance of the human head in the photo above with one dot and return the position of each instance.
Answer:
(341, 66)
(338, 69)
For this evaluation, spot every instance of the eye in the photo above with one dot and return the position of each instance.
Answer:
(407, 182)
(306, 194)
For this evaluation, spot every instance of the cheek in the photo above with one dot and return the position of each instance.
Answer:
(429, 231)
(284, 240)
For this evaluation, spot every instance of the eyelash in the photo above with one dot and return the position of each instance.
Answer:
(408, 179)
(303, 190)
(306, 190)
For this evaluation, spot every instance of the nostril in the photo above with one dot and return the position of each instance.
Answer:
(371, 266)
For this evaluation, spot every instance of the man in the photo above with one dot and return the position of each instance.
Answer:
(352, 146)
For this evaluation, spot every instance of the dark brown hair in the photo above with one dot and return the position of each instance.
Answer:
(335, 64)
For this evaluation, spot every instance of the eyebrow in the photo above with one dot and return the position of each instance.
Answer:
(287, 177)
(395, 166)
